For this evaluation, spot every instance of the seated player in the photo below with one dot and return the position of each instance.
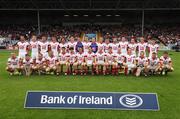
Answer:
(100, 62)
(154, 64)
(71, 60)
(108, 61)
(114, 64)
(89, 61)
(166, 63)
(52, 61)
(41, 64)
(27, 65)
(13, 64)
(62, 62)
(120, 60)
(130, 62)
(142, 63)
(79, 64)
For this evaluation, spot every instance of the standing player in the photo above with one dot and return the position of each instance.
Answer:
(23, 46)
(72, 44)
(153, 47)
(108, 60)
(44, 47)
(63, 44)
(86, 45)
(154, 64)
(54, 45)
(130, 62)
(166, 63)
(115, 45)
(34, 46)
(142, 45)
(13, 64)
(123, 45)
(100, 45)
(142, 63)
(107, 44)
(133, 46)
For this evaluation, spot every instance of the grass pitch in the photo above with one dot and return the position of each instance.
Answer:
(13, 90)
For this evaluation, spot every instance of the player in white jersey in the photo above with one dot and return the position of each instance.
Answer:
(13, 64)
(52, 63)
(108, 60)
(166, 63)
(123, 44)
(133, 46)
(100, 62)
(55, 47)
(100, 44)
(63, 44)
(41, 64)
(34, 46)
(154, 64)
(130, 62)
(142, 63)
(86, 45)
(115, 45)
(72, 44)
(120, 60)
(107, 44)
(44, 47)
(142, 45)
(153, 47)
(23, 47)
(63, 62)
(27, 65)
(71, 60)
(79, 64)
(89, 61)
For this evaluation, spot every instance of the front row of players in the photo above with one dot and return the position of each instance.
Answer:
(99, 63)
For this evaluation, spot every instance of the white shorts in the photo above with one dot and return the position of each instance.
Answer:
(100, 62)
(131, 66)
(34, 55)
(89, 63)
(22, 55)
(62, 62)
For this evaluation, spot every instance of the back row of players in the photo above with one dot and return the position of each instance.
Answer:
(75, 57)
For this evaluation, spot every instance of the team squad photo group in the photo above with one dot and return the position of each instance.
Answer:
(76, 56)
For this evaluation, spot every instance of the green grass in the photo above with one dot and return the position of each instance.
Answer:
(13, 90)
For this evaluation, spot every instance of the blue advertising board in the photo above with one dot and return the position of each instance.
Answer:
(91, 100)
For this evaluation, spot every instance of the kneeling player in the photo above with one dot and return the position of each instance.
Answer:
(120, 61)
(41, 64)
(100, 62)
(52, 61)
(166, 63)
(154, 64)
(12, 65)
(70, 61)
(130, 62)
(108, 61)
(142, 63)
(27, 65)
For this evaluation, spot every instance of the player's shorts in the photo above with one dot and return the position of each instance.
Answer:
(22, 55)
(34, 55)
(152, 67)
(56, 54)
(130, 66)
(100, 63)
(13, 67)
(89, 63)
(62, 62)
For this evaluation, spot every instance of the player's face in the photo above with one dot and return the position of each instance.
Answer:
(27, 58)
(51, 54)
(72, 51)
(133, 40)
(34, 38)
(142, 40)
(119, 51)
(72, 39)
(114, 40)
(13, 56)
(110, 50)
(165, 55)
(63, 50)
(101, 40)
(123, 39)
(40, 57)
(142, 55)
(80, 50)
(153, 42)
(62, 40)
(107, 41)
(53, 39)
(129, 51)
(89, 50)
(43, 38)
(93, 40)
(22, 39)
(153, 56)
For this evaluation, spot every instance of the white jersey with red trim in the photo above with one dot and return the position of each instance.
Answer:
(100, 57)
(109, 57)
(44, 47)
(89, 56)
(123, 46)
(28, 62)
(141, 61)
(153, 62)
(72, 44)
(63, 45)
(106, 47)
(34, 46)
(130, 59)
(100, 46)
(13, 61)
(153, 48)
(133, 48)
(86, 46)
(120, 58)
(22, 47)
(115, 47)
(55, 48)
(80, 57)
(63, 57)
(142, 47)
(40, 61)
(52, 60)
(165, 60)
(72, 57)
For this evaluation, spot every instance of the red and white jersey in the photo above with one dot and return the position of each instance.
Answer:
(28, 62)
(54, 46)
(13, 61)
(133, 48)
(40, 61)
(123, 46)
(115, 47)
(153, 48)
(52, 60)
(130, 59)
(109, 57)
(63, 45)
(80, 57)
(72, 57)
(120, 58)
(63, 56)
(100, 56)
(34, 46)
(153, 62)
(70, 44)
(141, 47)
(100, 46)
(89, 56)
(165, 60)
(141, 61)
(44, 47)
(106, 47)
(86, 46)
(23, 47)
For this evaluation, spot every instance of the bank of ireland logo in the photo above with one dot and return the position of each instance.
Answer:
(131, 101)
